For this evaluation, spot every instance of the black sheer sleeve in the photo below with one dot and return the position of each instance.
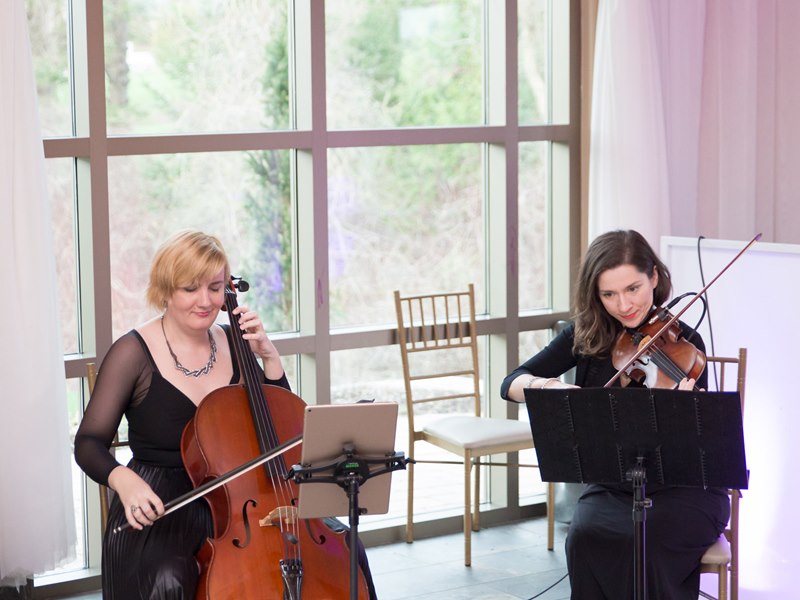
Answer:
(124, 377)
(282, 382)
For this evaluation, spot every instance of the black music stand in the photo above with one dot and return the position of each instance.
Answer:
(347, 445)
(638, 435)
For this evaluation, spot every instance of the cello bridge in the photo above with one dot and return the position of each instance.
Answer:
(279, 517)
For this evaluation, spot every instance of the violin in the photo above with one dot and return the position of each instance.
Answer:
(671, 352)
(666, 362)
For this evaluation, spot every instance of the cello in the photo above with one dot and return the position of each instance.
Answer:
(260, 548)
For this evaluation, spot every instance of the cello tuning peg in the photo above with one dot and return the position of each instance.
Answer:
(240, 283)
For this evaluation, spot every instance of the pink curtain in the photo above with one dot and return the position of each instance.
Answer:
(696, 132)
(695, 129)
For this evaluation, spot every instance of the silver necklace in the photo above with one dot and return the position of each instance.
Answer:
(197, 372)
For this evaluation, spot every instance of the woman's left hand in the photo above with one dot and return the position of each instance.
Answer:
(253, 331)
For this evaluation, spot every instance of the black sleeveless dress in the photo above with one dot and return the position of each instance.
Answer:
(159, 561)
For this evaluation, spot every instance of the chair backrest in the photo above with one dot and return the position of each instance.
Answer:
(719, 373)
(442, 328)
(721, 377)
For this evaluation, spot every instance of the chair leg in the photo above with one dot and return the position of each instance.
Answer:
(551, 514)
(476, 506)
(467, 511)
(722, 586)
(410, 505)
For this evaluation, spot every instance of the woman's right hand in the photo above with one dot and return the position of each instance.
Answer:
(142, 505)
(516, 391)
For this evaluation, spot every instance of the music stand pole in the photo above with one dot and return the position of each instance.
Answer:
(351, 485)
(637, 476)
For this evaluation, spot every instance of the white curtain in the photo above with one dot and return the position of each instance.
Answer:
(37, 530)
(695, 129)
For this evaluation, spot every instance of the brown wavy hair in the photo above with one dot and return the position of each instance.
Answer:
(595, 330)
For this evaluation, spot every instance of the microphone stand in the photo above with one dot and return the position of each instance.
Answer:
(349, 471)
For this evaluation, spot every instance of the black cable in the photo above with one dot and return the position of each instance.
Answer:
(547, 589)
(665, 315)
(707, 307)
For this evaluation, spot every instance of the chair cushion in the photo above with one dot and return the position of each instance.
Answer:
(479, 432)
(719, 553)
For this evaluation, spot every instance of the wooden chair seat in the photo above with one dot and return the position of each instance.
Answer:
(719, 553)
(479, 433)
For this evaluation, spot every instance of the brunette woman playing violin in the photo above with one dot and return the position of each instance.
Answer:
(620, 282)
(156, 375)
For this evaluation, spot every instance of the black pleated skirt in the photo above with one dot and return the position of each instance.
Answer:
(159, 561)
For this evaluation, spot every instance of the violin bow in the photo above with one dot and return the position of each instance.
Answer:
(208, 486)
(677, 315)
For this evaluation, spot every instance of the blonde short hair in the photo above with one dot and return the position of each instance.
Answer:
(185, 258)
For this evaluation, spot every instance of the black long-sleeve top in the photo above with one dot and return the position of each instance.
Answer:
(557, 358)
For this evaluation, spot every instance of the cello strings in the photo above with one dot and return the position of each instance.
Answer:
(276, 467)
(265, 430)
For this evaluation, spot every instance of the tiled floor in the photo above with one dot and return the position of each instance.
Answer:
(509, 562)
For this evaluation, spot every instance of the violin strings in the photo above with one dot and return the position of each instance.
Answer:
(665, 363)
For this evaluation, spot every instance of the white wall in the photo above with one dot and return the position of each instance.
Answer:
(754, 304)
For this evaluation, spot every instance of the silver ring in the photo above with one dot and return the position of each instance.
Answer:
(134, 508)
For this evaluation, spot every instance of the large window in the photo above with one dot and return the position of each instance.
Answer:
(402, 63)
(402, 217)
(341, 149)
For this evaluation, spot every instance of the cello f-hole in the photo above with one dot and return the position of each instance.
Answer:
(246, 523)
(318, 541)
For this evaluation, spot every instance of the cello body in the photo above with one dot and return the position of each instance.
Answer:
(257, 539)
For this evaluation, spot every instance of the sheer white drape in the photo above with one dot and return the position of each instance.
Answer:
(628, 186)
(695, 129)
(37, 528)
